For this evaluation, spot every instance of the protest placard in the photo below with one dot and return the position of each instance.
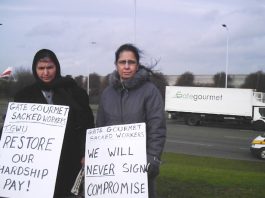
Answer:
(115, 161)
(30, 149)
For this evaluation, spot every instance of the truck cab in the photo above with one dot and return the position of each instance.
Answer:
(258, 111)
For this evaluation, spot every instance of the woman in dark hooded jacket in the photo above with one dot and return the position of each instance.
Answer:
(132, 98)
(51, 88)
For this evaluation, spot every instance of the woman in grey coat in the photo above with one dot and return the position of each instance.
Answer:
(132, 98)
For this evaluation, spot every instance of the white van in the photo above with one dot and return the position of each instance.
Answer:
(258, 147)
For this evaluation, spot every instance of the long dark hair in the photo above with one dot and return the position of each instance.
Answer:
(137, 53)
(154, 76)
(128, 47)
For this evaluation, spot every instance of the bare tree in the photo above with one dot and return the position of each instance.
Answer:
(255, 81)
(94, 87)
(23, 77)
(81, 81)
(104, 83)
(160, 81)
(219, 80)
(185, 79)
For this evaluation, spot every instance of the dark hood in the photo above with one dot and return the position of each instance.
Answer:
(45, 53)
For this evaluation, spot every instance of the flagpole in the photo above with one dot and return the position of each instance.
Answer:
(135, 21)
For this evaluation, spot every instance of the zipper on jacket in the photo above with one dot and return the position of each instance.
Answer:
(123, 91)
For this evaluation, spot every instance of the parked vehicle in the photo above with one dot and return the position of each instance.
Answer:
(196, 104)
(258, 147)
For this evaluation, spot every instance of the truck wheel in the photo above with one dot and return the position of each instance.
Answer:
(259, 125)
(192, 120)
(262, 154)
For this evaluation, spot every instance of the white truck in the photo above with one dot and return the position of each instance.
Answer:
(196, 104)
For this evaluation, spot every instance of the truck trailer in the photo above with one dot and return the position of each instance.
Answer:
(197, 104)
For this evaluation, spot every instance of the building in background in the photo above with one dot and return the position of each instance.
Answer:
(236, 80)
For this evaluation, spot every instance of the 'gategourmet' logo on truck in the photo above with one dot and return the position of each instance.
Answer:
(196, 97)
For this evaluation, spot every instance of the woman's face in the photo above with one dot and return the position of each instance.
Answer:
(46, 70)
(126, 65)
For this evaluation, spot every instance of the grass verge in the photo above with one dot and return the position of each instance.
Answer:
(193, 176)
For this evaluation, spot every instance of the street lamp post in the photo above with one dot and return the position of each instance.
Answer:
(91, 43)
(135, 21)
(227, 42)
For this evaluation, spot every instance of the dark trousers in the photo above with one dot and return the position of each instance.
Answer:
(152, 187)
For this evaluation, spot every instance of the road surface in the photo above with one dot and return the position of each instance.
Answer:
(209, 140)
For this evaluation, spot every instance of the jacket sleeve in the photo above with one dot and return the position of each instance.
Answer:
(80, 116)
(155, 123)
(85, 116)
(88, 111)
(78, 100)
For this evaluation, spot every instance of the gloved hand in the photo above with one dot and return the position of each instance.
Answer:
(153, 164)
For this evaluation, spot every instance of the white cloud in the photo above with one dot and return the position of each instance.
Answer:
(183, 35)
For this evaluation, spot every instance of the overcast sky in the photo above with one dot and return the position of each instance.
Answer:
(183, 35)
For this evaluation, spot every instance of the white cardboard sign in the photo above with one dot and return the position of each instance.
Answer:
(115, 161)
(30, 149)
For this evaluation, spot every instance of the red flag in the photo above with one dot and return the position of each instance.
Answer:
(7, 73)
